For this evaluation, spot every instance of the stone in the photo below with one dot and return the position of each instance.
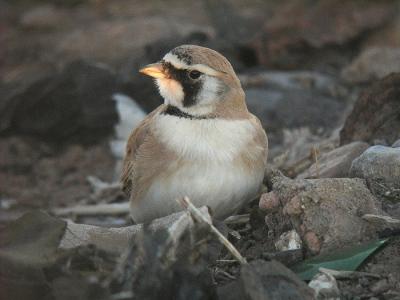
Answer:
(329, 207)
(379, 164)
(41, 17)
(375, 113)
(380, 286)
(386, 35)
(312, 241)
(268, 202)
(124, 37)
(396, 144)
(294, 99)
(324, 286)
(269, 280)
(76, 99)
(288, 241)
(130, 115)
(298, 28)
(288, 257)
(336, 163)
(384, 223)
(293, 207)
(372, 64)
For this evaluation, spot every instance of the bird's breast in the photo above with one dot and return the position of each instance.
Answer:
(217, 139)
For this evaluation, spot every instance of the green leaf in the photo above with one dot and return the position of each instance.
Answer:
(346, 259)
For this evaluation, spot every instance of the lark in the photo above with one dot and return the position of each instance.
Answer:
(202, 142)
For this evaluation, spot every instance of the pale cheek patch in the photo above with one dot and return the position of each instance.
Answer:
(171, 91)
(210, 91)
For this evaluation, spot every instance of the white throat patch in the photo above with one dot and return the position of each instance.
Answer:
(171, 91)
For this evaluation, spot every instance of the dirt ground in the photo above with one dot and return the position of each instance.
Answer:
(36, 173)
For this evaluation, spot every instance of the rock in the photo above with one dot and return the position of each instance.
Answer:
(288, 241)
(130, 115)
(294, 99)
(124, 36)
(29, 246)
(288, 257)
(269, 280)
(268, 202)
(313, 243)
(299, 148)
(336, 163)
(387, 35)
(293, 207)
(324, 286)
(396, 144)
(41, 17)
(375, 113)
(329, 207)
(384, 224)
(297, 28)
(76, 99)
(379, 164)
(380, 286)
(372, 64)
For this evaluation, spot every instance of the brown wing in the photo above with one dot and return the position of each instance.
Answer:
(136, 139)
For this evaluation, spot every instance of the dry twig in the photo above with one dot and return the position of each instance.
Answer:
(238, 219)
(188, 205)
(98, 209)
(348, 274)
(316, 161)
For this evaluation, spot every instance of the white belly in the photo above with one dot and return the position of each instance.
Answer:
(225, 189)
(211, 174)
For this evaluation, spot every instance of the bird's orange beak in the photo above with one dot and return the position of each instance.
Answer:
(154, 70)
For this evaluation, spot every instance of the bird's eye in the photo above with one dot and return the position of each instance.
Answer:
(194, 74)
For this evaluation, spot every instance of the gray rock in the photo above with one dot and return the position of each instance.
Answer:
(294, 99)
(396, 144)
(331, 210)
(384, 223)
(336, 163)
(379, 164)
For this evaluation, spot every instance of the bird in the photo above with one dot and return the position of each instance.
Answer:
(202, 142)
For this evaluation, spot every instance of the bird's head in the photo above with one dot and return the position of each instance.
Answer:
(199, 82)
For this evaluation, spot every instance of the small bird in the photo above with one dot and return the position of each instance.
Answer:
(202, 142)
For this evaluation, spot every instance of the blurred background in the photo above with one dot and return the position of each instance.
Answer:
(302, 65)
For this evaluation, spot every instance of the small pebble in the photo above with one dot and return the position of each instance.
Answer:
(347, 295)
(269, 202)
(289, 240)
(312, 242)
(235, 234)
(293, 207)
(363, 281)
